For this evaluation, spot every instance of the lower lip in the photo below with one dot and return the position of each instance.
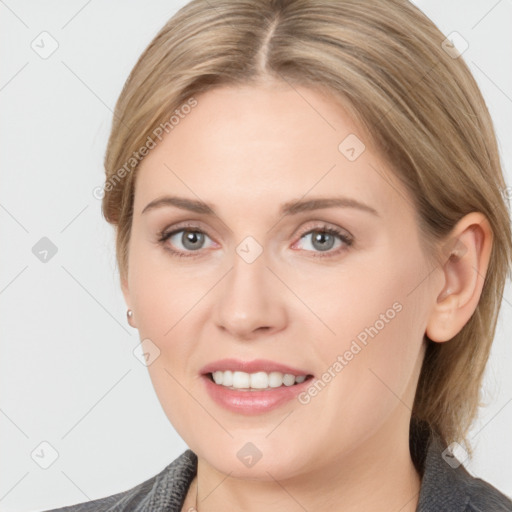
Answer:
(253, 402)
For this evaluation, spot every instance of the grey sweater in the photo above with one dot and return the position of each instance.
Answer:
(445, 487)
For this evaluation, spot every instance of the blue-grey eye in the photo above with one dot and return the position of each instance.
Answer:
(322, 240)
(190, 240)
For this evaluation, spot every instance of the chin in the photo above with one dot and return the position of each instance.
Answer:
(254, 460)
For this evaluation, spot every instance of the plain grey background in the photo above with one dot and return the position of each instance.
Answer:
(69, 378)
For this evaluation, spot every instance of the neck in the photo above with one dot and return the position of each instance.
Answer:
(378, 475)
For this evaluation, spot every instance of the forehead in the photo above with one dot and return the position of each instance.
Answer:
(248, 145)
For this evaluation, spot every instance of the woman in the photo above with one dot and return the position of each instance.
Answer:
(313, 245)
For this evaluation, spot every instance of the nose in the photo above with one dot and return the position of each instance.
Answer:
(250, 300)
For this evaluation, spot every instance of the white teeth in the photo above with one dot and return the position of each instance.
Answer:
(275, 379)
(218, 377)
(288, 380)
(241, 380)
(227, 378)
(258, 380)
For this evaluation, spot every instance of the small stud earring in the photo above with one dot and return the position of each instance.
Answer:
(129, 316)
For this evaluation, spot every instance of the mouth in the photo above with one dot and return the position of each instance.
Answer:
(253, 387)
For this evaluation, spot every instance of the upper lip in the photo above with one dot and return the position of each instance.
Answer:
(256, 365)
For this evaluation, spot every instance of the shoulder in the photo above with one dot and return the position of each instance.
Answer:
(164, 491)
(447, 486)
(482, 496)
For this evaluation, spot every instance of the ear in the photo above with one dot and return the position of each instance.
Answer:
(466, 256)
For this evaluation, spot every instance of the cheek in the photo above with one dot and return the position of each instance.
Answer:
(166, 302)
(162, 290)
(378, 334)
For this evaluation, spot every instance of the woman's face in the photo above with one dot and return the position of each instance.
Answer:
(260, 278)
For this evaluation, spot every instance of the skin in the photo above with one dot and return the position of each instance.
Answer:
(246, 151)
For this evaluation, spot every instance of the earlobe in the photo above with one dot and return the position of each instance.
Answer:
(466, 259)
(126, 294)
(129, 318)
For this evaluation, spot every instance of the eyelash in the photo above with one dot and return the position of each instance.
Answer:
(164, 235)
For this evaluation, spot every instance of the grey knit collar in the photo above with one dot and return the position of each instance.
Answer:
(445, 486)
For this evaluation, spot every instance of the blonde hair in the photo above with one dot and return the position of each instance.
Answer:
(422, 110)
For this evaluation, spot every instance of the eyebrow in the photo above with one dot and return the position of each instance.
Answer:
(289, 208)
